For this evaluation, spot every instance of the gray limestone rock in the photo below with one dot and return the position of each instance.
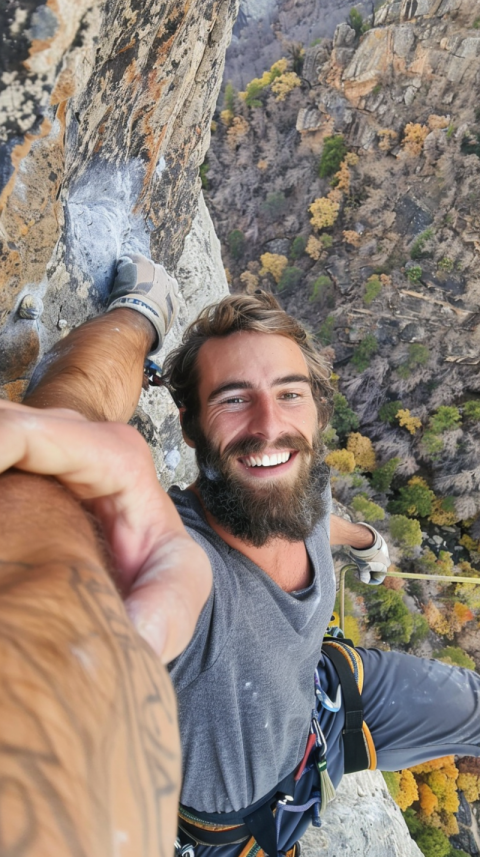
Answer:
(362, 821)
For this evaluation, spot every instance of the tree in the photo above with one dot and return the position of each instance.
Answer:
(405, 531)
(363, 451)
(326, 331)
(274, 264)
(388, 412)
(472, 410)
(344, 420)
(324, 212)
(381, 478)
(284, 84)
(390, 615)
(406, 420)
(321, 287)
(414, 137)
(314, 248)
(290, 279)
(236, 243)
(456, 657)
(341, 460)
(373, 287)
(364, 352)
(275, 205)
(445, 418)
(355, 21)
(334, 151)
(298, 246)
(415, 499)
(367, 509)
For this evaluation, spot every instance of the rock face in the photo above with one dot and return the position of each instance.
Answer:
(362, 820)
(105, 112)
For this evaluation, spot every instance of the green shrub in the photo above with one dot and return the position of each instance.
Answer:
(414, 500)
(344, 420)
(472, 409)
(322, 287)
(476, 24)
(416, 250)
(405, 531)
(326, 331)
(388, 412)
(204, 168)
(334, 151)
(355, 21)
(455, 656)
(381, 478)
(373, 287)
(393, 783)
(290, 279)
(297, 248)
(445, 418)
(420, 629)
(326, 240)
(446, 264)
(432, 444)
(253, 90)
(415, 274)
(236, 243)
(471, 144)
(390, 615)
(275, 205)
(229, 97)
(418, 355)
(364, 352)
(369, 510)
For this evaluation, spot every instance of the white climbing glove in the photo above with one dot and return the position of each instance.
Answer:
(142, 285)
(372, 562)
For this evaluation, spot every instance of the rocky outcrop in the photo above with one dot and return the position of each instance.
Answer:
(105, 113)
(361, 821)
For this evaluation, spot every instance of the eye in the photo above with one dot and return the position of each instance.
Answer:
(234, 400)
(290, 395)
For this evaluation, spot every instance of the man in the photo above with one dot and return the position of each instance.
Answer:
(254, 399)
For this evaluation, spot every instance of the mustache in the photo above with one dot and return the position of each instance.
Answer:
(255, 446)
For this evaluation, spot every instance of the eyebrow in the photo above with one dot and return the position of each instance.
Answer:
(245, 385)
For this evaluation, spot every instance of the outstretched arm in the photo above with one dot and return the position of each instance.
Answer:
(366, 546)
(90, 751)
(162, 574)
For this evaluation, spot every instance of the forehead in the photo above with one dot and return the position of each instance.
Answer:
(248, 356)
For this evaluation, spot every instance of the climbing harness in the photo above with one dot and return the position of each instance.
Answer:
(258, 825)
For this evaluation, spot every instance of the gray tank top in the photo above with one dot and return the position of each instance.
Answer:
(245, 683)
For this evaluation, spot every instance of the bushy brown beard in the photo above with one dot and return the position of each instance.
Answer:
(262, 511)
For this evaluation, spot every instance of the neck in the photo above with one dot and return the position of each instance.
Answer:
(287, 563)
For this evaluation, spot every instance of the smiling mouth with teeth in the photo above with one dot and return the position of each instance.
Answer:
(267, 460)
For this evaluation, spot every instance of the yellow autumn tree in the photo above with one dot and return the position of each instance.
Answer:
(414, 138)
(469, 784)
(341, 460)
(314, 248)
(408, 790)
(428, 800)
(388, 139)
(226, 117)
(238, 129)
(274, 264)
(406, 420)
(284, 84)
(441, 516)
(324, 212)
(438, 122)
(249, 281)
(352, 237)
(362, 450)
(436, 620)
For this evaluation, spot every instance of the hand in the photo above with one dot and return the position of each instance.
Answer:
(145, 287)
(372, 562)
(163, 575)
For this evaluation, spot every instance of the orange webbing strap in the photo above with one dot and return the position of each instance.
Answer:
(361, 756)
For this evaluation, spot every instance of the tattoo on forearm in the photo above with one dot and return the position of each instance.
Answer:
(89, 756)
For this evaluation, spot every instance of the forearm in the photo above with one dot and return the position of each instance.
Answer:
(343, 532)
(97, 369)
(81, 691)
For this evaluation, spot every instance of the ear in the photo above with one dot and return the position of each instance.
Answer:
(188, 441)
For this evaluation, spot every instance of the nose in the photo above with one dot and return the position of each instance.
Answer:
(266, 418)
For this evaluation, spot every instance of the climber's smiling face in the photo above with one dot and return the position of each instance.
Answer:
(256, 404)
